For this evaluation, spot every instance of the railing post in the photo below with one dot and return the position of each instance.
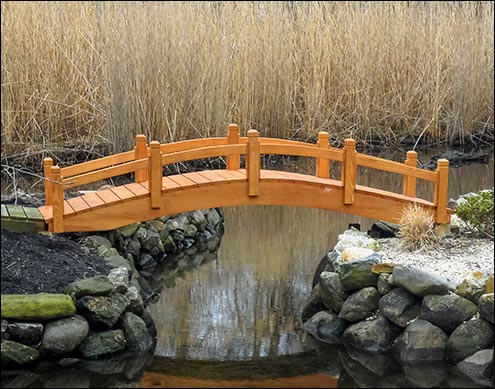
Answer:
(349, 168)
(233, 161)
(441, 191)
(253, 162)
(57, 199)
(141, 151)
(155, 169)
(47, 167)
(409, 183)
(322, 164)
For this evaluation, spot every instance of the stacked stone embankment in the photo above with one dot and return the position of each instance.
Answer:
(415, 315)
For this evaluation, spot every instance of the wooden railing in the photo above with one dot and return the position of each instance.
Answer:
(147, 161)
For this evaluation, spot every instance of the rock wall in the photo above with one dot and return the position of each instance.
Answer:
(414, 315)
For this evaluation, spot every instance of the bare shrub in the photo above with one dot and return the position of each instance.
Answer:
(417, 229)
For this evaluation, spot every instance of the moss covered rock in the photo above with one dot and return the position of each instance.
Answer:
(40, 306)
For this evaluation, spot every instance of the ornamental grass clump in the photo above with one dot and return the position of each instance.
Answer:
(417, 229)
(477, 212)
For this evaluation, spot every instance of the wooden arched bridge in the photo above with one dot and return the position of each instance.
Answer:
(152, 195)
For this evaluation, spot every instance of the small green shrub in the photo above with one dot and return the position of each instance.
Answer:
(477, 212)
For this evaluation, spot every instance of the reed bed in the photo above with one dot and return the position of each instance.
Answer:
(83, 74)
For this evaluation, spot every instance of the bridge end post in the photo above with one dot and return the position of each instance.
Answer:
(322, 164)
(141, 151)
(47, 167)
(155, 171)
(441, 191)
(253, 163)
(349, 168)
(409, 183)
(233, 161)
(57, 199)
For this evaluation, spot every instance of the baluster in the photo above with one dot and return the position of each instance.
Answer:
(349, 168)
(441, 191)
(155, 169)
(141, 151)
(322, 164)
(253, 162)
(47, 167)
(233, 161)
(57, 199)
(409, 183)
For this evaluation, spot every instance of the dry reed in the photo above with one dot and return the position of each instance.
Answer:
(84, 73)
(417, 229)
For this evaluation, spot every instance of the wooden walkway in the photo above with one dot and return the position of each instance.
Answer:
(152, 195)
(22, 219)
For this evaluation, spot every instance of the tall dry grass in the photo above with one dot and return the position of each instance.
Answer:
(84, 73)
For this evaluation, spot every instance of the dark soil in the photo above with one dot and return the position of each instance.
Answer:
(34, 263)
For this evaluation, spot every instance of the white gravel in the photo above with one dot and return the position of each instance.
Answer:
(455, 258)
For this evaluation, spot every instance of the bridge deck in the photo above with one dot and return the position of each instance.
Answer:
(118, 206)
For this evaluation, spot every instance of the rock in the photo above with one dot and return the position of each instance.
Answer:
(64, 335)
(97, 244)
(447, 311)
(489, 284)
(118, 261)
(150, 323)
(379, 364)
(26, 333)
(322, 266)
(102, 344)
(198, 219)
(375, 335)
(95, 286)
(13, 353)
(355, 238)
(468, 338)
(102, 311)
(421, 341)
(426, 375)
(457, 379)
(190, 230)
(383, 229)
(133, 247)
(119, 277)
(128, 231)
(314, 305)
(40, 306)
(383, 284)
(485, 307)
(361, 376)
(399, 306)
(135, 331)
(479, 367)
(326, 327)
(380, 268)
(357, 274)
(352, 253)
(152, 243)
(360, 305)
(213, 218)
(136, 304)
(111, 252)
(471, 289)
(331, 294)
(420, 282)
(5, 334)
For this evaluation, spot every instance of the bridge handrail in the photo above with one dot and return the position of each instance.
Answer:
(97, 164)
(202, 152)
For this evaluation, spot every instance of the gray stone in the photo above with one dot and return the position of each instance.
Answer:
(64, 335)
(213, 219)
(128, 231)
(457, 379)
(399, 306)
(111, 252)
(190, 230)
(326, 327)
(421, 341)
(471, 289)
(485, 307)
(133, 247)
(198, 219)
(479, 367)
(5, 334)
(37, 307)
(375, 335)
(102, 311)
(447, 311)
(360, 305)
(152, 243)
(141, 234)
(355, 238)
(426, 375)
(119, 277)
(357, 274)
(97, 244)
(331, 294)
(383, 284)
(118, 261)
(469, 337)
(420, 282)
(95, 286)
(102, 344)
(136, 304)
(26, 333)
(135, 331)
(13, 353)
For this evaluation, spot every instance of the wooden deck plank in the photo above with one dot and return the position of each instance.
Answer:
(168, 184)
(68, 210)
(46, 211)
(16, 212)
(197, 178)
(123, 193)
(182, 180)
(33, 214)
(108, 196)
(138, 188)
(212, 175)
(78, 204)
(231, 175)
(93, 200)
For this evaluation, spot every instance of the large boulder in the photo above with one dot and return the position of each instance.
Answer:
(357, 274)
(326, 327)
(40, 306)
(94, 286)
(14, 353)
(102, 312)
(331, 294)
(102, 344)
(485, 307)
(447, 311)
(399, 306)
(360, 305)
(420, 282)
(421, 341)
(64, 335)
(135, 331)
(479, 367)
(25, 333)
(374, 335)
(468, 338)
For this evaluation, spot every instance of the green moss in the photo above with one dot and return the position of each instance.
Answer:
(41, 306)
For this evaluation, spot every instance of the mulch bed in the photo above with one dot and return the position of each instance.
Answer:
(34, 263)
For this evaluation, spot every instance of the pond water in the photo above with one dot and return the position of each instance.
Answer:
(236, 321)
